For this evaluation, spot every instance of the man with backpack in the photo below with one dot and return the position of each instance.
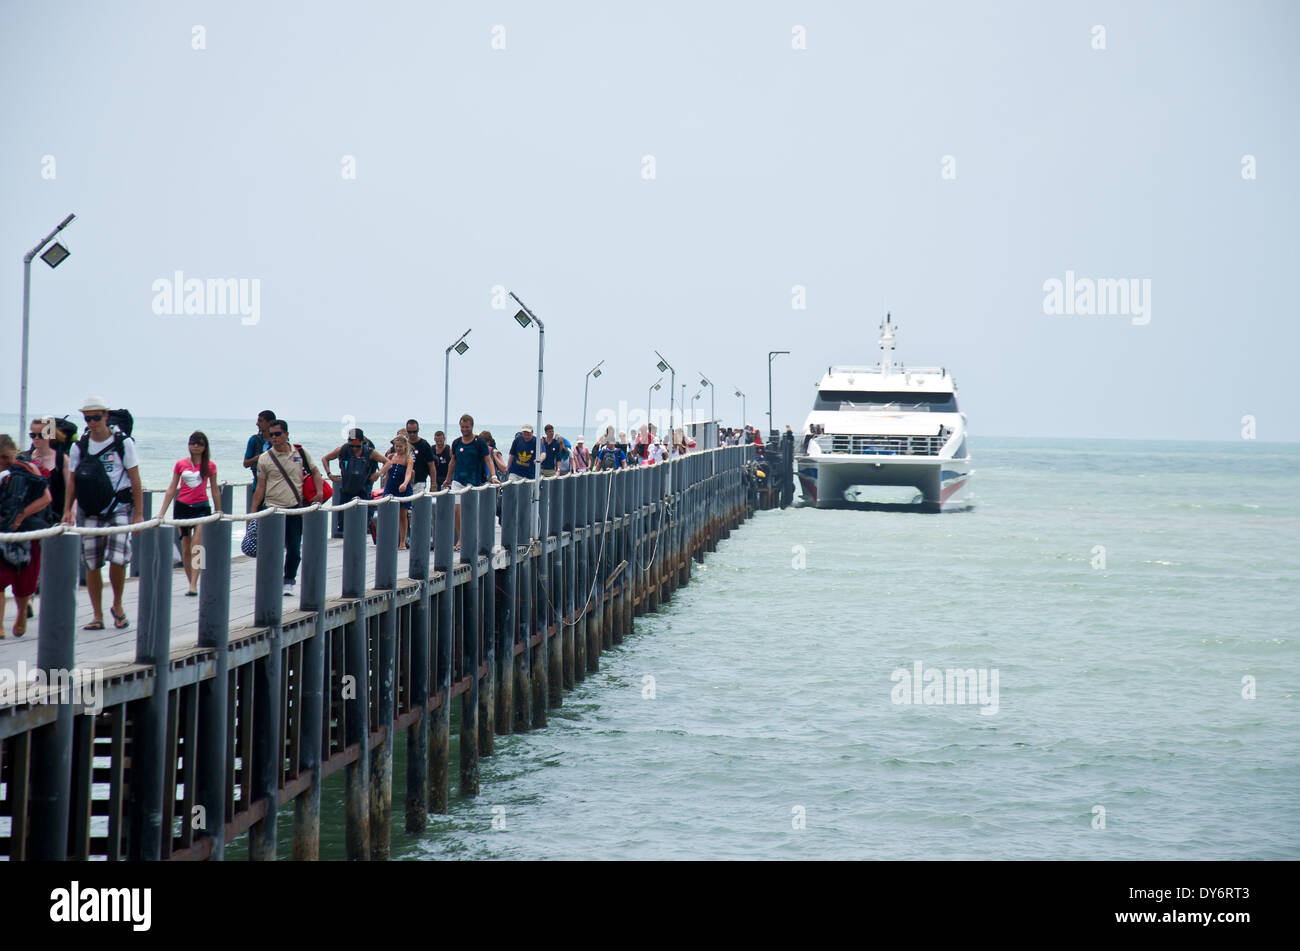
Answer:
(104, 491)
(359, 463)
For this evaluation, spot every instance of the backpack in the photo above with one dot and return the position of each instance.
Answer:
(93, 487)
(356, 472)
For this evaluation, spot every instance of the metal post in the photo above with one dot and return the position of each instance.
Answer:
(27, 300)
(508, 621)
(311, 712)
(214, 635)
(469, 642)
(136, 563)
(417, 734)
(524, 615)
(227, 498)
(152, 648)
(487, 522)
(356, 686)
(554, 614)
(567, 562)
(381, 759)
(578, 575)
(52, 744)
(268, 746)
(440, 724)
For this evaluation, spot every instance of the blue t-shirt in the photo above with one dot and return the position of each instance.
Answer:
(554, 449)
(256, 446)
(469, 459)
(524, 453)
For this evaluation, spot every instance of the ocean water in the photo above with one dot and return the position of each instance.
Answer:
(1162, 688)
(1136, 600)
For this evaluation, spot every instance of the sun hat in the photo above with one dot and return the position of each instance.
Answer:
(527, 427)
(93, 402)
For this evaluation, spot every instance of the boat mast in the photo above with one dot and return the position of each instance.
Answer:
(886, 345)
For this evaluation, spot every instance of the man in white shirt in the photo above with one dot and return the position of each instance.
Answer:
(110, 495)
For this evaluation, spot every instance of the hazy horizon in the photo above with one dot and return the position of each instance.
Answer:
(713, 182)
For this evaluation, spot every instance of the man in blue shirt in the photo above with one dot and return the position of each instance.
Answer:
(471, 464)
(259, 442)
(554, 452)
(522, 462)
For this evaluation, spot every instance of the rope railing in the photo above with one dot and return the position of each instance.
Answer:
(63, 528)
(135, 527)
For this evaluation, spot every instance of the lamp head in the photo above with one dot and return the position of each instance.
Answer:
(461, 347)
(55, 254)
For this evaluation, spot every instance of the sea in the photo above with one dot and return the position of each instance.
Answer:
(1098, 661)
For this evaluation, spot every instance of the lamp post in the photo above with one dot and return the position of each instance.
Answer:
(742, 407)
(525, 316)
(658, 384)
(672, 386)
(593, 372)
(460, 346)
(53, 257)
(771, 355)
(713, 412)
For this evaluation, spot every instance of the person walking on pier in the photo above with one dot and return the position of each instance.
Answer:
(397, 474)
(554, 452)
(50, 454)
(472, 463)
(421, 455)
(104, 491)
(192, 479)
(359, 463)
(24, 492)
(440, 458)
(522, 463)
(581, 458)
(259, 442)
(280, 473)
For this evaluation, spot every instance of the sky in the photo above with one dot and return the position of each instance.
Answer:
(710, 180)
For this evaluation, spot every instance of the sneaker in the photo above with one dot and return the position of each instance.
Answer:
(288, 589)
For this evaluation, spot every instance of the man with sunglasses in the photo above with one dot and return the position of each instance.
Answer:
(421, 456)
(280, 472)
(105, 492)
(359, 463)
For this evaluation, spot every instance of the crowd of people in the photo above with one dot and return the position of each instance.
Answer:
(94, 482)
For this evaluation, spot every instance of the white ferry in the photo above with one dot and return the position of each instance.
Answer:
(881, 435)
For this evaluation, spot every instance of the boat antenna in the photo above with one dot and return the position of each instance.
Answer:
(886, 344)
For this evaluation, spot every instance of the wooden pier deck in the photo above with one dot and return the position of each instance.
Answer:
(216, 711)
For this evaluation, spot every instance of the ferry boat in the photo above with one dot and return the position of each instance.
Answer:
(889, 436)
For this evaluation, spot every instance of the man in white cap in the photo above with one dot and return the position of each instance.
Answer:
(104, 490)
(581, 458)
(522, 462)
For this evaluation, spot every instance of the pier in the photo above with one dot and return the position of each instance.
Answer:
(213, 713)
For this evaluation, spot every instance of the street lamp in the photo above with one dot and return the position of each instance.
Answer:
(525, 316)
(771, 355)
(460, 346)
(742, 407)
(649, 418)
(664, 365)
(53, 257)
(593, 372)
(704, 381)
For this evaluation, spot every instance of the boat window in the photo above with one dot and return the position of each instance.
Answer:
(908, 401)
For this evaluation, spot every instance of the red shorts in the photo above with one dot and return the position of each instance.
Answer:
(22, 579)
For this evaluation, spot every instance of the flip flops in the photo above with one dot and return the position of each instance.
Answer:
(94, 626)
(119, 620)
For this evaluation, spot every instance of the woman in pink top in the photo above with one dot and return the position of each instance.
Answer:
(192, 479)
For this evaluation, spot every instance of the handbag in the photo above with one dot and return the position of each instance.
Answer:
(309, 481)
(249, 545)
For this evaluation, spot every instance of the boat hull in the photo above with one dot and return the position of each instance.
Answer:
(846, 482)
